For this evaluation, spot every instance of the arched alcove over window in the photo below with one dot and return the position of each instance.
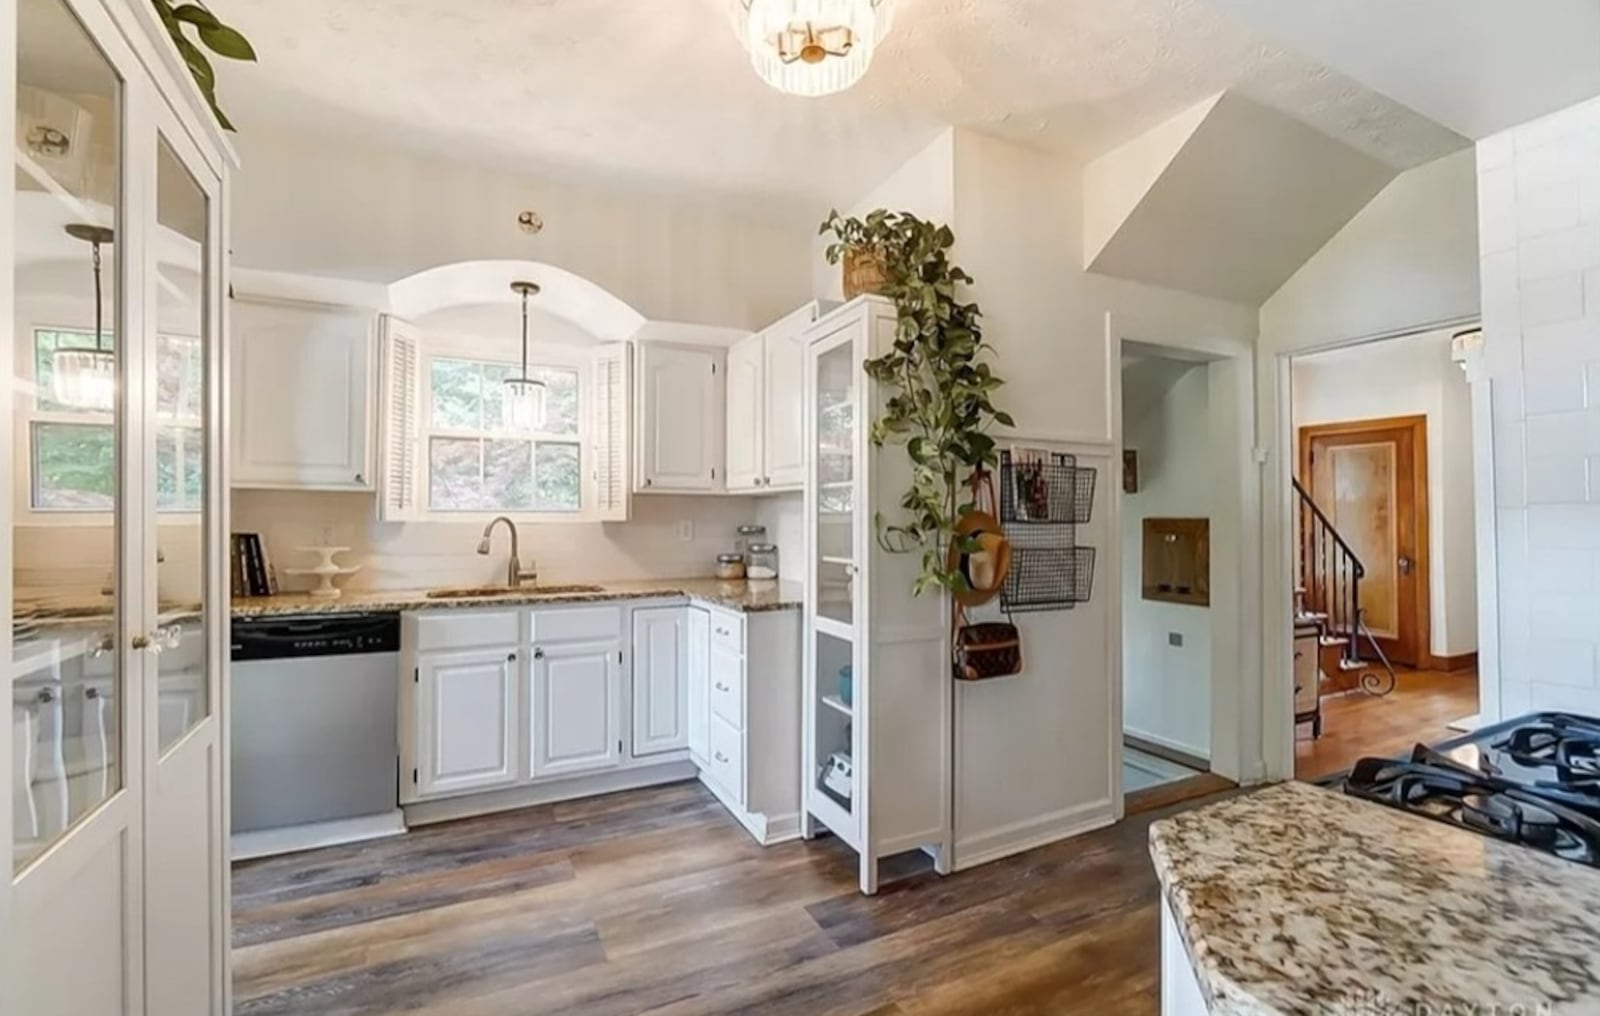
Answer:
(565, 295)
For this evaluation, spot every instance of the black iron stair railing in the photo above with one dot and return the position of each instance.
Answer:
(1328, 594)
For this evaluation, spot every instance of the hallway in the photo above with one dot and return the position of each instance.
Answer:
(1419, 710)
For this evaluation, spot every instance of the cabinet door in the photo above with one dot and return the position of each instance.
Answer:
(783, 429)
(680, 428)
(660, 702)
(746, 364)
(576, 715)
(697, 680)
(301, 393)
(466, 720)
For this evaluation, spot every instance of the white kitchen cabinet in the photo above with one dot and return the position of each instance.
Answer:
(697, 682)
(878, 769)
(302, 385)
(765, 391)
(746, 413)
(660, 675)
(679, 423)
(751, 715)
(574, 712)
(466, 720)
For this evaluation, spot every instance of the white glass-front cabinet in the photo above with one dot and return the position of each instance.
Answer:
(115, 576)
(876, 702)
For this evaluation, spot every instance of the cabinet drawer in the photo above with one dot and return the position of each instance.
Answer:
(727, 631)
(579, 624)
(449, 629)
(727, 758)
(727, 687)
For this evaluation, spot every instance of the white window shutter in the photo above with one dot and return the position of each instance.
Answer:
(400, 392)
(612, 406)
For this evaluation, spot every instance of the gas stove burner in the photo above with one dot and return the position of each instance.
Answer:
(1568, 744)
(1517, 821)
(1434, 786)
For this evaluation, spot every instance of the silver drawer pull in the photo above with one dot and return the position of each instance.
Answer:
(721, 757)
(721, 686)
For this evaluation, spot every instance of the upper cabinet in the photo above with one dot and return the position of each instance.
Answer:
(302, 396)
(679, 422)
(766, 439)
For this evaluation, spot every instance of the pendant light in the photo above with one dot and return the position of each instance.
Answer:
(812, 47)
(87, 378)
(525, 397)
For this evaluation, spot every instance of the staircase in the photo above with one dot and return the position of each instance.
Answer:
(1327, 599)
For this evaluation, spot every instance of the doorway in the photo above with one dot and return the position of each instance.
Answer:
(1384, 569)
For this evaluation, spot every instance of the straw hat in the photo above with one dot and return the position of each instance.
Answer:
(984, 567)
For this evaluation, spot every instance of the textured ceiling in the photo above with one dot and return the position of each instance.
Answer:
(659, 92)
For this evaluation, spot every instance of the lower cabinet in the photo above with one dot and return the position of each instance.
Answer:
(660, 665)
(573, 713)
(466, 720)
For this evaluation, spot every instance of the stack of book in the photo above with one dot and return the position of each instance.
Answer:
(252, 571)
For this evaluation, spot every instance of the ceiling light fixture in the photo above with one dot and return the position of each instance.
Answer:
(87, 378)
(524, 395)
(812, 47)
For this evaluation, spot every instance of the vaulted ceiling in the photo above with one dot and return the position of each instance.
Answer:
(659, 93)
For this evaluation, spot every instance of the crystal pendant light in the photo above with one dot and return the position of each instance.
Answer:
(812, 47)
(87, 378)
(525, 397)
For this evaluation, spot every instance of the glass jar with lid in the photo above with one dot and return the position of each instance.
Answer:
(761, 561)
(748, 534)
(730, 566)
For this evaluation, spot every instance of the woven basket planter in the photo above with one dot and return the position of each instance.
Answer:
(865, 271)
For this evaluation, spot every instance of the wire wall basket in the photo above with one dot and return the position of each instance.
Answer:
(1044, 497)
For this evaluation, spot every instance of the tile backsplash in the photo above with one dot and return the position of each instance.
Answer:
(419, 554)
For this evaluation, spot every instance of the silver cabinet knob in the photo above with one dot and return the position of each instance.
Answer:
(511, 657)
(538, 654)
(360, 478)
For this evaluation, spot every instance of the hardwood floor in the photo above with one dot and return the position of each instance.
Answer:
(1356, 725)
(655, 901)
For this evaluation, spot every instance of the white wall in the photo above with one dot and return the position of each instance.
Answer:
(1539, 194)
(1405, 263)
(1037, 752)
(1166, 689)
(320, 205)
(1412, 376)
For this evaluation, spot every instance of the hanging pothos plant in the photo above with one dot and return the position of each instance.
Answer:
(214, 35)
(940, 401)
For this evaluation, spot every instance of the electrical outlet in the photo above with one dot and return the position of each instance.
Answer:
(1175, 639)
(686, 530)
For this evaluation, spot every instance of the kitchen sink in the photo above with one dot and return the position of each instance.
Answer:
(484, 592)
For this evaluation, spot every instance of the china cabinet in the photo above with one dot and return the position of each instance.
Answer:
(115, 754)
(876, 703)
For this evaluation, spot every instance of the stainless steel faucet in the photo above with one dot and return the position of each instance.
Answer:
(516, 575)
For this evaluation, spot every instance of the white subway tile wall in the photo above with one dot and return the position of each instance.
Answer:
(1539, 224)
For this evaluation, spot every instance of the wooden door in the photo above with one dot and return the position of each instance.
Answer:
(575, 714)
(745, 465)
(660, 709)
(1370, 477)
(467, 721)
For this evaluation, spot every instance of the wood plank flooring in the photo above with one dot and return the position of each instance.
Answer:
(656, 901)
(1353, 726)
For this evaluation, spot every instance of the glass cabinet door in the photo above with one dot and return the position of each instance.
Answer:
(181, 358)
(69, 373)
(836, 473)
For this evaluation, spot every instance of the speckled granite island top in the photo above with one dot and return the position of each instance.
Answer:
(750, 597)
(1296, 899)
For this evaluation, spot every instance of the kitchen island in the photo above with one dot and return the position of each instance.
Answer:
(1298, 899)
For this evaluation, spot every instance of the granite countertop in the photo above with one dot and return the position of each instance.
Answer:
(750, 597)
(1296, 899)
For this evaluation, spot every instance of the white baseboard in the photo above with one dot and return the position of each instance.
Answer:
(292, 839)
(994, 844)
(765, 830)
(634, 778)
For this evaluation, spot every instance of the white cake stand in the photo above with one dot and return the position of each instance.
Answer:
(325, 571)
